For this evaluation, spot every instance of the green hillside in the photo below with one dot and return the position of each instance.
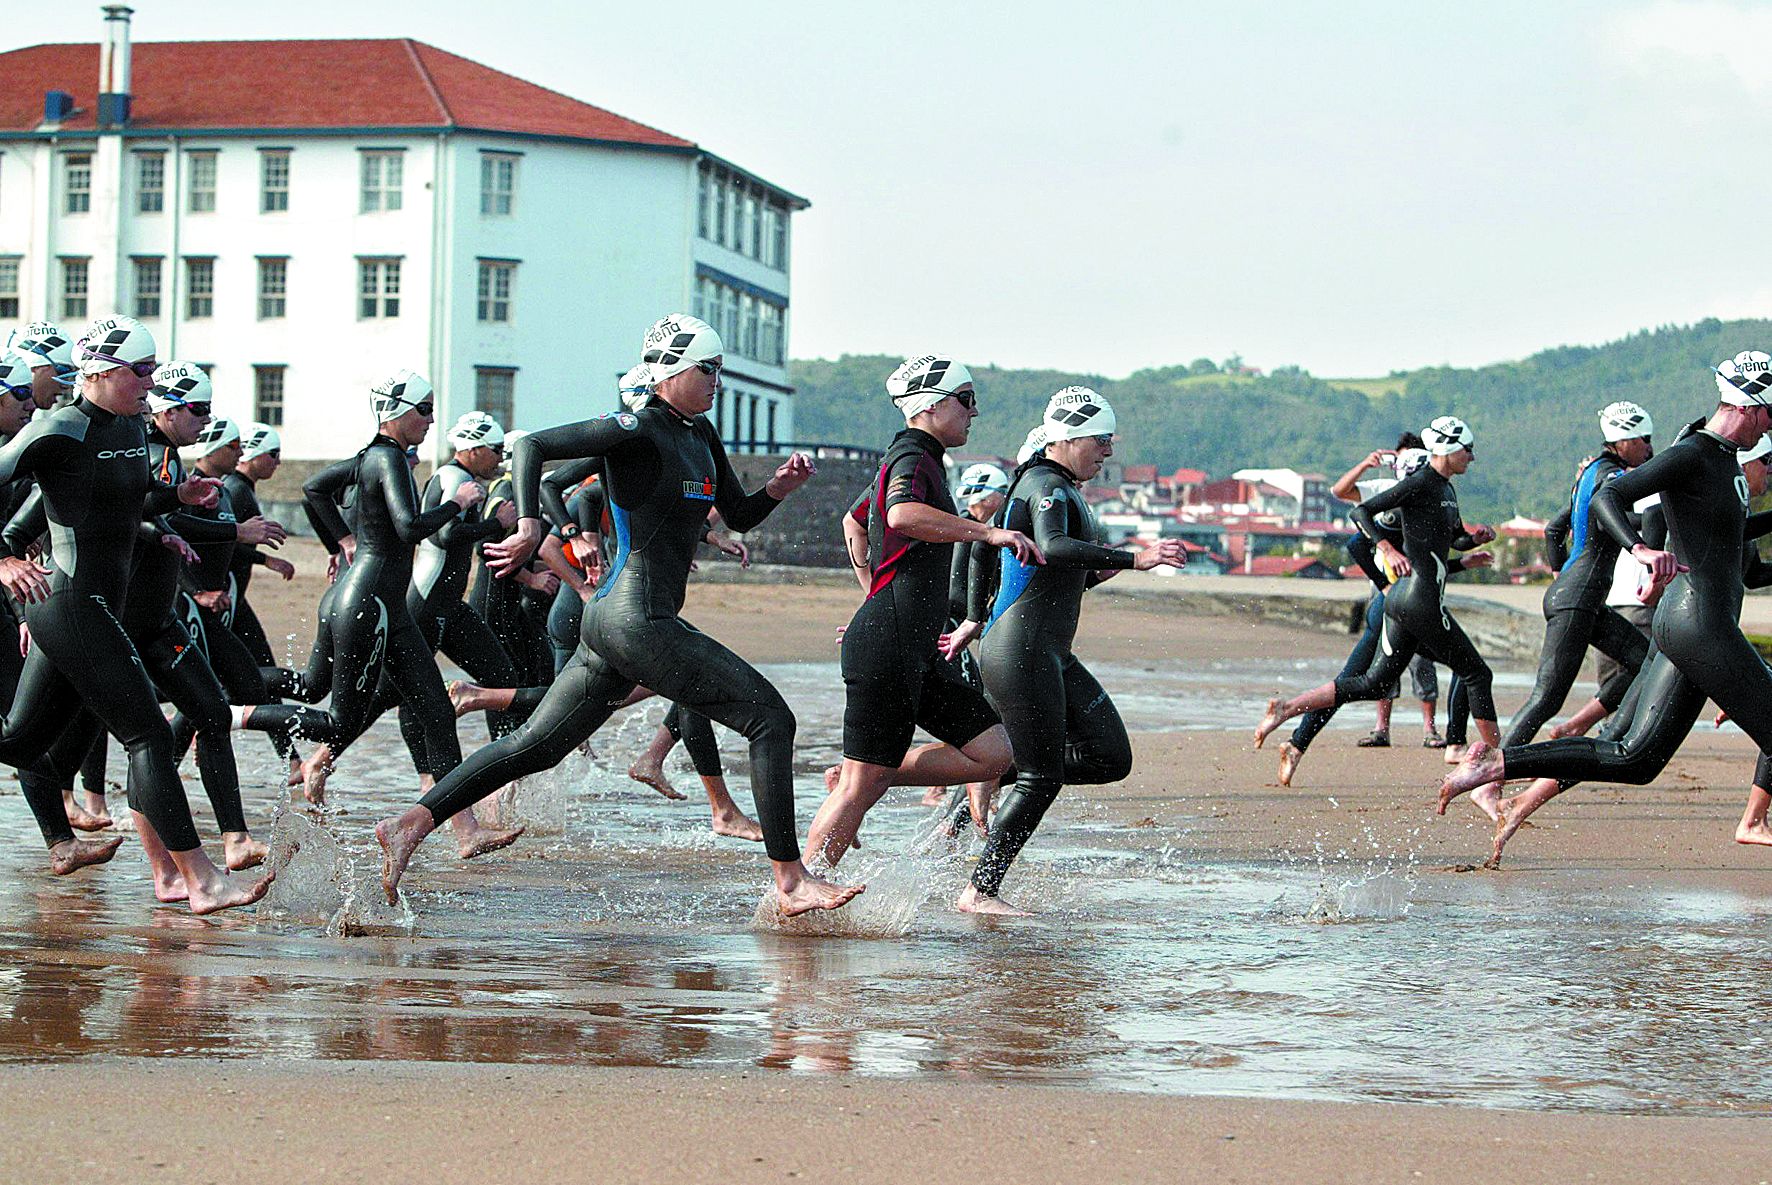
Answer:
(1534, 419)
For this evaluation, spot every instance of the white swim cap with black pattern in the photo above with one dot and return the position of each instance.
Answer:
(676, 343)
(49, 346)
(1625, 420)
(635, 387)
(179, 383)
(920, 383)
(1743, 380)
(981, 481)
(1076, 412)
(475, 428)
(398, 394)
(1036, 440)
(110, 342)
(258, 439)
(1447, 435)
(218, 433)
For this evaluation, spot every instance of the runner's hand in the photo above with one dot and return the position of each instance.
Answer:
(1025, 549)
(1397, 562)
(1481, 534)
(260, 529)
(953, 643)
(1478, 559)
(28, 582)
(1165, 553)
(201, 492)
(512, 552)
(506, 514)
(469, 495)
(215, 600)
(282, 568)
(24, 640)
(347, 550)
(794, 472)
(177, 545)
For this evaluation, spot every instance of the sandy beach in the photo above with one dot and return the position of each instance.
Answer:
(390, 1088)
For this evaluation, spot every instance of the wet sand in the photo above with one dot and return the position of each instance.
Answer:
(309, 1107)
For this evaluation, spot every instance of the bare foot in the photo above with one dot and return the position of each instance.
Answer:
(1483, 765)
(1507, 822)
(1453, 754)
(170, 887)
(651, 773)
(224, 892)
(1290, 756)
(934, 796)
(72, 854)
(295, 775)
(830, 778)
(1566, 728)
(736, 824)
(1754, 833)
(978, 802)
(241, 851)
(1488, 800)
(315, 769)
(96, 807)
(972, 901)
(81, 819)
(481, 840)
(399, 837)
(1270, 721)
(812, 893)
(467, 697)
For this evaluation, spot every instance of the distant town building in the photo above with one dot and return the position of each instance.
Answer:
(302, 217)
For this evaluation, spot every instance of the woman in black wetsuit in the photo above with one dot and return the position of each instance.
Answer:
(664, 466)
(1701, 649)
(1415, 615)
(1064, 728)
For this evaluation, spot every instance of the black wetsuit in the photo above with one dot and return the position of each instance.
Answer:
(1415, 616)
(1700, 649)
(1575, 611)
(242, 493)
(516, 615)
(894, 676)
(373, 634)
(662, 472)
(440, 581)
(92, 469)
(1064, 728)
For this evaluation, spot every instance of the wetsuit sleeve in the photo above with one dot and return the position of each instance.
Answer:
(1654, 526)
(741, 511)
(1064, 550)
(387, 468)
(1556, 540)
(587, 438)
(1758, 525)
(981, 583)
(458, 529)
(194, 528)
(26, 526)
(588, 508)
(1360, 550)
(1611, 505)
(858, 509)
(555, 484)
(320, 494)
(1365, 515)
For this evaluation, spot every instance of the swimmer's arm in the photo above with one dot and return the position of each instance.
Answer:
(981, 581)
(855, 543)
(741, 511)
(1611, 505)
(587, 438)
(26, 526)
(1556, 539)
(1052, 532)
(1758, 525)
(557, 481)
(320, 494)
(386, 468)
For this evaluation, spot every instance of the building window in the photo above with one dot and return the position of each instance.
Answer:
(273, 287)
(704, 198)
(267, 395)
(720, 207)
(769, 431)
(779, 254)
(74, 272)
(378, 288)
(273, 181)
(741, 219)
(495, 289)
(730, 323)
(498, 183)
(382, 172)
(9, 299)
(147, 286)
(77, 178)
(202, 189)
(769, 343)
(495, 393)
(755, 205)
(150, 182)
(199, 286)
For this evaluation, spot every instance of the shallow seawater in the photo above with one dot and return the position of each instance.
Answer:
(627, 937)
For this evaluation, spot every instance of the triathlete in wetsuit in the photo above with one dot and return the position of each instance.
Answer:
(261, 452)
(1415, 615)
(16, 407)
(51, 355)
(90, 462)
(1701, 650)
(1575, 612)
(894, 674)
(515, 607)
(664, 466)
(1065, 729)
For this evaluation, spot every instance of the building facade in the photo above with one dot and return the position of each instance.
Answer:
(302, 217)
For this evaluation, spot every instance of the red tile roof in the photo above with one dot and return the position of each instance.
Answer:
(307, 85)
(1285, 565)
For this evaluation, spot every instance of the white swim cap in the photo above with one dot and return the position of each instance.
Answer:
(678, 342)
(476, 428)
(110, 342)
(1408, 461)
(635, 387)
(177, 384)
(1742, 380)
(981, 481)
(511, 439)
(258, 439)
(48, 346)
(1755, 451)
(216, 434)
(1447, 435)
(15, 372)
(1036, 440)
(1625, 420)
(920, 383)
(1076, 412)
(398, 394)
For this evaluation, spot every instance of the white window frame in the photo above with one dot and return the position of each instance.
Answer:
(199, 287)
(150, 199)
(273, 181)
(140, 293)
(273, 287)
(381, 178)
(11, 273)
(498, 184)
(502, 405)
(378, 287)
(264, 409)
(77, 183)
(204, 166)
(495, 291)
(76, 277)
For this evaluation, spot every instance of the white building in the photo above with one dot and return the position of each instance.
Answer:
(304, 216)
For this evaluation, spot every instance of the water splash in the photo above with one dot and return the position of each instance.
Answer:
(320, 882)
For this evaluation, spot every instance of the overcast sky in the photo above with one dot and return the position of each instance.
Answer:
(1351, 187)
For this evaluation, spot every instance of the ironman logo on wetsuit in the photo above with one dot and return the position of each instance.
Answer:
(701, 491)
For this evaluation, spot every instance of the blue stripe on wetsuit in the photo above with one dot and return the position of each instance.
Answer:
(623, 537)
(1584, 495)
(1011, 584)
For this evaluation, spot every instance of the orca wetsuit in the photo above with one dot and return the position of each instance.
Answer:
(1700, 649)
(513, 612)
(662, 471)
(894, 676)
(242, 493)
(92, 469)
(1064, 728)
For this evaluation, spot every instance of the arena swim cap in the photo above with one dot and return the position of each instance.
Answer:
(678, 342)
(217, 434)
(635, 387)
(258, 439)
(15, 372)
(110, 342)
(981, 481)
(50, 347)
(920, 383)
(1742, 381)
(1035, 442)
(177, 384)
(1625, 420)
(1076, 412)
(398, 394)
(1447, 435)
(1755, 451)
(475, 428)
(1408, 461)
